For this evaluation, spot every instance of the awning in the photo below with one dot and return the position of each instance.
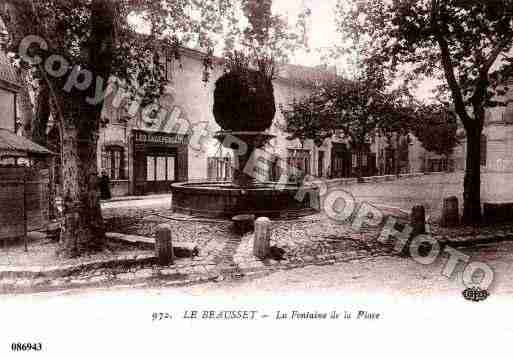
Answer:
(17, 146)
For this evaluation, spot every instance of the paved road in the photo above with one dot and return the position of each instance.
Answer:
(163, 201)
(430, 190)
(404, 193)
(394, 276)
(421, 314)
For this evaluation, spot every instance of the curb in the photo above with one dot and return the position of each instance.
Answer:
(182, 249)
(37, 279)
(374, 179)
(7, 272)
(476, 240)
(136, 198)
(170, 277)
(69, 270)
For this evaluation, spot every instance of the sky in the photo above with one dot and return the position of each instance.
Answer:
(322, 31)
(322, 34)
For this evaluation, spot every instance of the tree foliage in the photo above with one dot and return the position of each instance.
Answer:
(435, 126)
(356, 109)
(244, 95)
(457, 41)
(466, 44)
(97, 37)
(244, 101)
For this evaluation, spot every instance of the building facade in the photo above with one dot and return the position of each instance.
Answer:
(9, 89)
(496, 142)
(144, 150)
(496, 154)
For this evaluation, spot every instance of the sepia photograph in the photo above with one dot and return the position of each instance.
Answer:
(249, 178)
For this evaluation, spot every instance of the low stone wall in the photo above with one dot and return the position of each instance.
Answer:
(497, 212)
(375, 179)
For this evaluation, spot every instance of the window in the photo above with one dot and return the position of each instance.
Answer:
(169, 69)
(483, 150)
(170, 168)
(360, 156)
(320, 164)
(219, 168)
(160, 168)
(114, 162)
(150, 168)
(7, 109)
(166, 60)
(298, 161)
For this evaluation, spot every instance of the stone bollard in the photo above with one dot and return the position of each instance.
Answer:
(450, 212)
(418, 220)
(164, 245)
(261, 244)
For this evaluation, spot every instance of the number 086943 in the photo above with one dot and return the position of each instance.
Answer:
(26, 347)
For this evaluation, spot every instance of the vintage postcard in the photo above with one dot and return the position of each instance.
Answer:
(251, 178)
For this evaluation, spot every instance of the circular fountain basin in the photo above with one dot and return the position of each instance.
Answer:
(225, 200)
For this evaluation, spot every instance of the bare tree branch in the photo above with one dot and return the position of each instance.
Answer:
(448, 65)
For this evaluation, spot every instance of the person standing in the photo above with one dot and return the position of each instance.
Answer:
(104, 185)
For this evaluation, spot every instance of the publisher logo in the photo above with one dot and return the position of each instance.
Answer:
(475, 294)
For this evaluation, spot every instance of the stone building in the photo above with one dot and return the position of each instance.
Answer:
(496, 142)
(16, 102)
(10, 87)
(496, 154)
(143, 150)
(14, 148)
(26, 186)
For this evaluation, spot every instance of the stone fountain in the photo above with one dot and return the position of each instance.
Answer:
(244, 108)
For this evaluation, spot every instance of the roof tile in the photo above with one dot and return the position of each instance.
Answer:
(9, 142)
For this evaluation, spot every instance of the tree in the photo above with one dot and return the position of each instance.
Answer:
(92, 41)
(465, 44)
(95, 46)
(435, 127)
(357, 109)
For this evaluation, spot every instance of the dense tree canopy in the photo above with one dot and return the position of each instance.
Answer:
(244, 95)
(435, 126)
(358, 110)
(77, 46)
(352, 108)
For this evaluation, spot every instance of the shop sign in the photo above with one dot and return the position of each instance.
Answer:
(160, 138)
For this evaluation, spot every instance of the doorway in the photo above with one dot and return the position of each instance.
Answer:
(320, 164)
(160, 171)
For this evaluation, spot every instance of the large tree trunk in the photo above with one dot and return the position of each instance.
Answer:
(79, 122)
(84, 231)
(83, 223)
(472, 183)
